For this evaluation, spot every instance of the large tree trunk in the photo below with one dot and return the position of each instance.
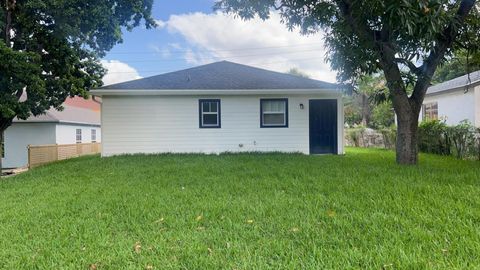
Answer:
(407, 147)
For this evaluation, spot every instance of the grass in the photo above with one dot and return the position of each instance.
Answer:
(243, 211)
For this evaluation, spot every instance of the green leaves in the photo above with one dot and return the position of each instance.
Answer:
(55, 49)
(19, 69)
(412, 27)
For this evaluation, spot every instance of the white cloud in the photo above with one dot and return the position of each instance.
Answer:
(267, 44)
(160, 24)
(118, 72)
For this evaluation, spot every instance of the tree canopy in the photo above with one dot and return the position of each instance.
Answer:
(297, 72)
(50, 49)
(406, 40)
(461, 63)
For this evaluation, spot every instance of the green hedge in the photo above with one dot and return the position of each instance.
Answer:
(462, 140)
(434, 136)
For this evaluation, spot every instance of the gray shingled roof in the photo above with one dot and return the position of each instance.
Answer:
(459, 82)
(222, 76)
(70, 114)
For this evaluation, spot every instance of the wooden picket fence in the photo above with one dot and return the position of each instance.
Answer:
(43, 154)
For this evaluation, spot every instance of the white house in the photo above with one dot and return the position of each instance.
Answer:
(70, 126)
(454, 100)
(221, 107)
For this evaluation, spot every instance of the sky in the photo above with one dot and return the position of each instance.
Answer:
(190, 33)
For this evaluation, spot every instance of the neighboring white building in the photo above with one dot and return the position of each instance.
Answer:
(70, 126)
(454, 100)
(221, 107)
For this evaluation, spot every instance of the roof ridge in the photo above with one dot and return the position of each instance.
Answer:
(224, 75)
(272, 71)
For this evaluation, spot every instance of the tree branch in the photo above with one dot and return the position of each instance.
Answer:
(380, 42)
(19, 94)
(9, 6)
(279, 7)
(361, 30)
(443, 43)
(416, 70)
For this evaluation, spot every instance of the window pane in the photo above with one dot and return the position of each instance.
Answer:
(273, 119)
(213, 106)
(274, 106)
(209, 106)
(79, 135)
(205, 106)
(209, 113)
(430, 111)
(210, 119)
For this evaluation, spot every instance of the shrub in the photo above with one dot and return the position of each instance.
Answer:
(389, 137)
(463, 139)
(356, 136)
(352, 115)
(477, 143)
(434, 138)
(383, 115)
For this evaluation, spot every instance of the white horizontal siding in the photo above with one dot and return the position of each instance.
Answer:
(477, 106)
(454, 106)
(17, 138)
(158, 124)
(66, 133)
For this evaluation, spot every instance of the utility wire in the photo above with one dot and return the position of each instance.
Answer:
(166, 71)
(226, 50)
(229, 56)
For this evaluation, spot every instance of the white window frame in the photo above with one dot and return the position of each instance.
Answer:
(428, 110)
(202, 102)
(263, 113)
(93, 135)
(77, 134)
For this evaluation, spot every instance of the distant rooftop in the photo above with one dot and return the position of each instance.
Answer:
(222, 76)
(70, 114)
(80, 102)
(462, 81)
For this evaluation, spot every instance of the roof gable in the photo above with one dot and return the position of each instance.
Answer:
(222, 76)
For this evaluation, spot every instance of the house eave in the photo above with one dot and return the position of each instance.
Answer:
(455, 89)
(56, 122)
(212, 92)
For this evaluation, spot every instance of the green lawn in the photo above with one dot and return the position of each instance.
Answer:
(243, 211)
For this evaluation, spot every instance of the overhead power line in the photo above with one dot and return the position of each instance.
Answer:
(224, 50)
(229, 56)
(263, 63)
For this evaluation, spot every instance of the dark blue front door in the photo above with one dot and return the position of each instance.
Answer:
(323, 126)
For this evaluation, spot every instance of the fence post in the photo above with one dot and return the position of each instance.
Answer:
(29, 157)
